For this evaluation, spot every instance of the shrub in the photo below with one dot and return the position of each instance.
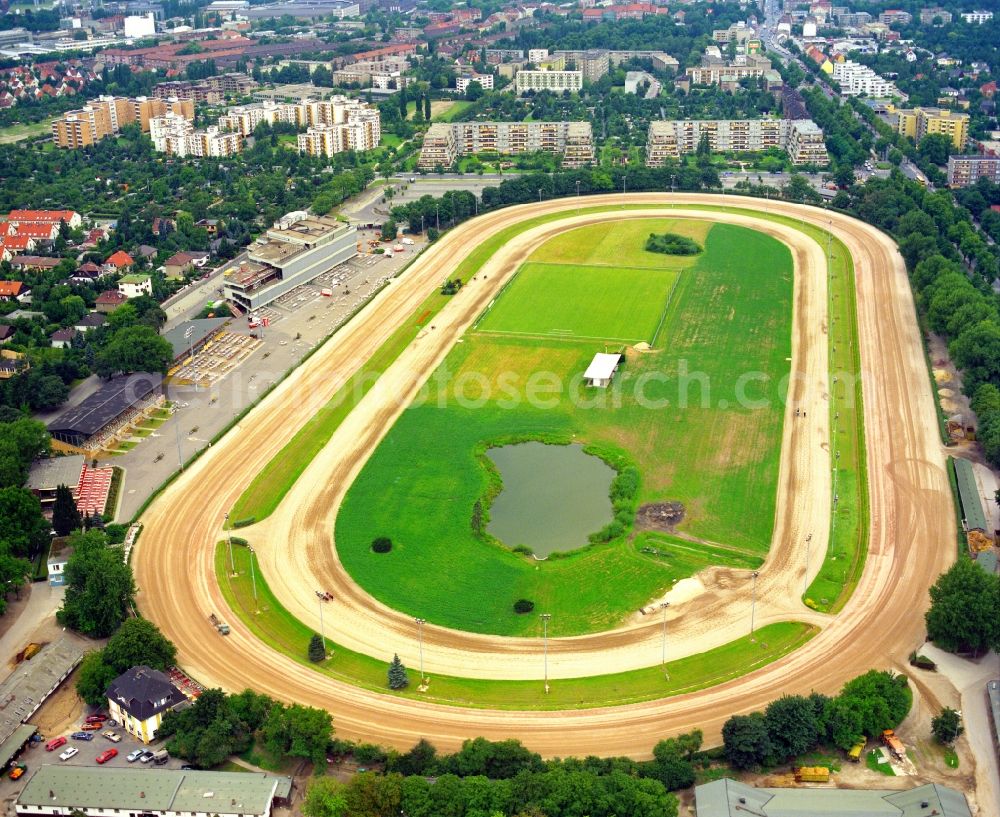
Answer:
(238, 540)
(523, 549)
(382, 544)
(672, 244)
(524, 606)
(242, 523)
(316, 651)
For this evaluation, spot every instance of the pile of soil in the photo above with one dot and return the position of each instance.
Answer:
(663, 516)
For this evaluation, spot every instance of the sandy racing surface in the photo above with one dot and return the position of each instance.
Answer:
(912, 528)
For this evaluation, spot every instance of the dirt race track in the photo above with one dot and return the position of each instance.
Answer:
(911, 539)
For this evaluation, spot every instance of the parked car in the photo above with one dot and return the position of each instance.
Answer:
(70, 752)
(82, 736)
(111, 735)
(146, 756)
(106, 755)
(37, 737)
(95, 718)
(161, 757)
(17, 771)
(93, 727)
(134, 755)
(55, 743)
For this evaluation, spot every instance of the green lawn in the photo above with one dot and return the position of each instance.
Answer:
(447, 111)
(692, 442)
(622, 243)
(567, 300)
(275, 626)
(19, 132)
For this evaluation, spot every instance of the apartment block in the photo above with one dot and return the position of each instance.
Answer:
(802, 139)
(107, 115)
(856, 80)
(555, 81)
(210, 91)
(593, 63)
(444, 143)
(176, 136)
(463, 82)
(965, 171)
(920, 122)
(929, 15)
(977, 17)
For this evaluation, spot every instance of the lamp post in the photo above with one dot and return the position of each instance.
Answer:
(805, 578)
(753, 602)
(578, 188)
(663, 649)
(545, 646)
(229, 538)
(437, 216)
(253, 576)
(539, 195)
(673, 188)
(322, 634)
(420, 630)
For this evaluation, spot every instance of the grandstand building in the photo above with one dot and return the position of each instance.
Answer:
(444, 143)
(802, 139)
(293, 252)
(93, 423)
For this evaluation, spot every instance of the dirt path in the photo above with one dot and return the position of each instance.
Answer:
(911, 516)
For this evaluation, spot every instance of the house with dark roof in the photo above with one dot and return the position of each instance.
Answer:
(62, 338)
(139, 698)
(6, 332)
(90, 321)
(110, 300)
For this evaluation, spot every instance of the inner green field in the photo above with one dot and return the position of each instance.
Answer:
(700, 416)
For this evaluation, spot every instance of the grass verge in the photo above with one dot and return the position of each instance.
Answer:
(276, 627)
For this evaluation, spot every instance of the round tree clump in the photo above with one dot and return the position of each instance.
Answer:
(523, 606)
(383, 544)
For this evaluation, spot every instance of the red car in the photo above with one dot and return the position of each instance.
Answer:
(90, 726)
(106, 755)
(95, 719)
(55, 743)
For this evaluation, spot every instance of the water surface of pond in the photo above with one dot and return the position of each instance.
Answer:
(553, 497)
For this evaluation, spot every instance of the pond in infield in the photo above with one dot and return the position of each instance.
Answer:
(553, 496)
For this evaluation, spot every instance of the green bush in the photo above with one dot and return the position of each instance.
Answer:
(672, 244)
(382, 544)
(242, 523)
(238, 540)
(522, 606)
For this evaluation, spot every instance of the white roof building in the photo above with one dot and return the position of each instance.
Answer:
(601, 369)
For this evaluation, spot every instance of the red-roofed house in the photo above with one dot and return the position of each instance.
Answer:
(119, 261)
(13, 291)
(110, 300)
(71, 217)
(989, 89)
(18, 243)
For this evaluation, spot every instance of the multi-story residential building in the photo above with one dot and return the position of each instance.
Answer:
(293, 252)
(555, 81)
(718, 74)
(661, 60)
(736, 33)
(176, 136)
(920, 122)
(593, 62)
(929, 15)
(964, 171)
(444, 143)
(671, 139)
(463, 82)
(107, 115)
(359, 129)
(852, 19)
(977, 17)
(895, 17)
(536, 55)
(856, 79)
(495, 56)
(211, 90)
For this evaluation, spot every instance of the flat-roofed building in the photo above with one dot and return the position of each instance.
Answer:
(176, 136)
(463, 82)
(96, 791)
(671, 139)
(920, 122)
(554, 81)
(444, 143)
(102, 413)
(107, 115)
(291, 253)
(965, 171)
(592, 62)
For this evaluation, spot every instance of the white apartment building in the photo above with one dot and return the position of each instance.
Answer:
(555, 81)
(444, 143)
(139, 25)
(175, 135)
(802, 139)
(536, 55)
(463, 82)
(856, 79)
(977, 17)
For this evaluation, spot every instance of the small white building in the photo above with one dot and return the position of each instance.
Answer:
(463, 82)
(601, 369)
(132, 286)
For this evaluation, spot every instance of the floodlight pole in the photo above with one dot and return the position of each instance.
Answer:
(545, 646)
(753, 601)
(253, 576)
(805, 578)
(663, 651)
(229, 538)
(420, 630)
(322, 634)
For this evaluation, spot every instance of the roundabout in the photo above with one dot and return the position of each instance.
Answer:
(910, 526)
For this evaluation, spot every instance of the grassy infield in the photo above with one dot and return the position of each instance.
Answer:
(277, 628)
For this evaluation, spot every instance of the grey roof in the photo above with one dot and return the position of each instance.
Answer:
(143, 692)
(152, 790)
(50, 473)
(993, 698)
(104, 405)
(92, 319)
(730, 798)
(968, 492)
(200, 329)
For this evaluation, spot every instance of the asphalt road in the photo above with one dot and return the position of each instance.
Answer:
(910, 507)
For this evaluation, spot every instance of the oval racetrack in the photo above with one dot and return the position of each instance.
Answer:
(911, 526)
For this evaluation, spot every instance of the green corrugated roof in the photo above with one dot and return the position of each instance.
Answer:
(132, 789)
(14, 743)
(968, 492)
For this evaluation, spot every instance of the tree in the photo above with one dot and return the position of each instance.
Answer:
(94, 677)
(427, 107)
(100, 589)
(935, 148)
(23, 529)
(398, 679)
(316, 650)
(963, 613)
(746, 741)
(791, 726)
(139, 641)
(389, 230)
(134, 349)
(65, 516)
(325, 797)
(473, 91)
(299, 731)
(977, 351)
(947, 726)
